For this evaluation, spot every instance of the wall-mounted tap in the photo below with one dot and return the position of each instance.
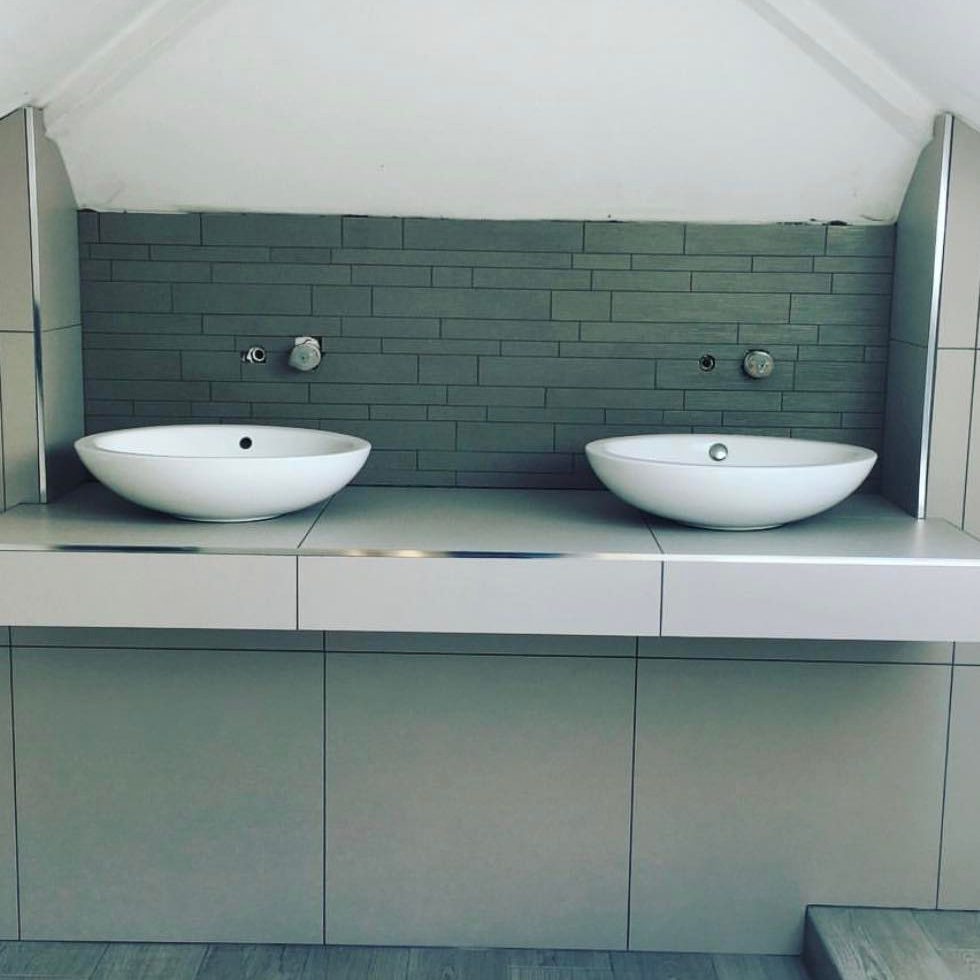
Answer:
(306, 354)
(758, 364)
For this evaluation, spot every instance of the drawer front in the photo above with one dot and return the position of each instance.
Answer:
(821, 600)
(43, 588)
(480, 595)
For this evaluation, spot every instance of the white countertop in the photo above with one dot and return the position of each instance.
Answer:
(456, 560)
(441, 522)
(861, 529)
(92, 517)
(480, 522)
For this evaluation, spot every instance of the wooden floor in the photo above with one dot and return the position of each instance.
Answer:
(149, 961)
(892, 944)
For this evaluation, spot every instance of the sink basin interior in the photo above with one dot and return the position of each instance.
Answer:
(223, 441)
(761, 451)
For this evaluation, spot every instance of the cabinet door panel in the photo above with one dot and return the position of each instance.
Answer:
(478, 801)
(170, 795)
(762, 788)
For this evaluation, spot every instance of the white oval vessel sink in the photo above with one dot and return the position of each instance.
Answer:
(223, 472)
(729, 482)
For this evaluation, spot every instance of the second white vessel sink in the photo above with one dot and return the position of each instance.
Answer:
(729, 482)
(223, 472)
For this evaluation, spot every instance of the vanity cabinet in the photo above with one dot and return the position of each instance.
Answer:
(169, 795)
(478, 800)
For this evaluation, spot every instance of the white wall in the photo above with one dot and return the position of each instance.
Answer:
(642, 109)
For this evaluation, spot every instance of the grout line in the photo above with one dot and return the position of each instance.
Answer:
(13, 766)
(942, 808)
(969, 436)
(323, 801)
(629, 856)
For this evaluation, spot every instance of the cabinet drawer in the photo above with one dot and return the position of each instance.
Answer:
(821, 600)
(480, 595)
(51, 588)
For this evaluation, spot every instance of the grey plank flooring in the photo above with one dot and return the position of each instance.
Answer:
(579, 959)
(759, 968)
(956, 937)
(963, 964)
(558, 973)
(43, 959)
(950, 930)
(166, 961)
(150, 961)
(877, 944)
(368, 962)
(456, 964)
(266, 962)
(662, 966)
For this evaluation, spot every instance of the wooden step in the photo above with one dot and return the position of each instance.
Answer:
(869, 944)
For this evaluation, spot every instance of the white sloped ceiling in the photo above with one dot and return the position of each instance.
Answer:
(43, 41)
(719, 110)
(936, 45)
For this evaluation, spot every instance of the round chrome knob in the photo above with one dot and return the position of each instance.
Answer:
(758, 364)
(718, 451)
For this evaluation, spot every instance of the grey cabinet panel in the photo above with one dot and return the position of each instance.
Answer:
(170, 796)
(960, 873)
(490, 595)
(50, 588)
(8, 843)
(764, 787)
(478, 800)
(821, 600)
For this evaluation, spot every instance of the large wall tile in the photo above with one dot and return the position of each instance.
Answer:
(961, 251)
(478, 800)
(172, 795)
(16, 293)
(762, 788)
(8, 840)
(904, 413)
(949, 448)
(960, 873)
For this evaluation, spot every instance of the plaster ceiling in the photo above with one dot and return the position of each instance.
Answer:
(723, 110)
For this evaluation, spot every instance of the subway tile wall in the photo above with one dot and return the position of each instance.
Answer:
(485, 353)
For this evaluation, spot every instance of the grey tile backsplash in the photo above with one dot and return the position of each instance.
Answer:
(485, 353)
